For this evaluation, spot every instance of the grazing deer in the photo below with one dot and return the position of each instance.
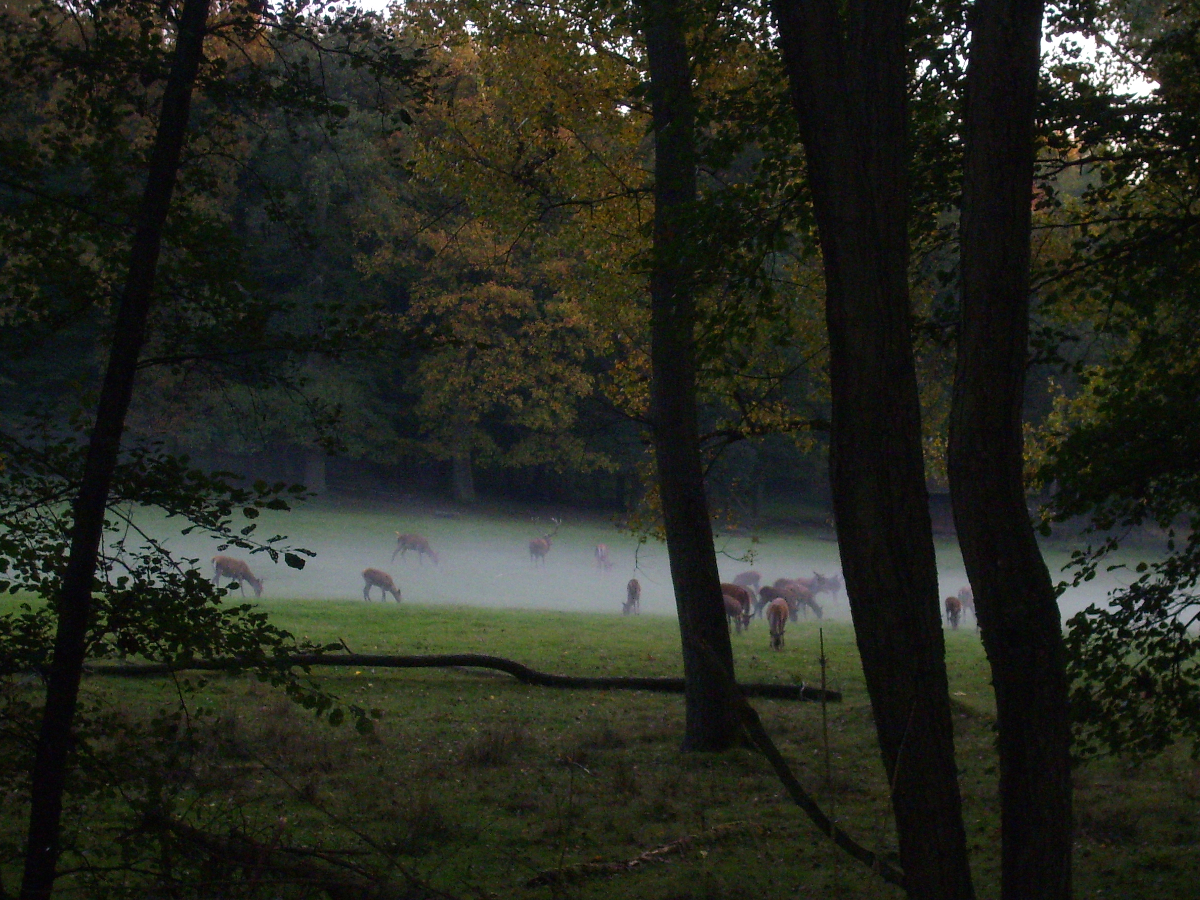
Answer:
(539, 547)
(406, 542)
(778, 614)
(798, 596)
(602, 561)
(382, 580)
(736, 613)
(766, 594)
(954, 610)
(742, 595)
(633, 598)
(228, 567)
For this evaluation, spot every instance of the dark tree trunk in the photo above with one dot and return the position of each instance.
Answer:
(462, 475)
(314, 470)
(75, 600)
(711, 723)
(848, 79)
(1018, 614)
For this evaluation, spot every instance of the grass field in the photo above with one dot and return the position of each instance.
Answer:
(478, 783)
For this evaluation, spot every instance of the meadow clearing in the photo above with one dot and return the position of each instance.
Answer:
(480, 786)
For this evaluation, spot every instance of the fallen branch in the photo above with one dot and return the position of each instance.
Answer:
(758, 735)
(582, 871)
(522, 673)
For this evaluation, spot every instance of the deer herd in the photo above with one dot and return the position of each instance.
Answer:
(745, 598)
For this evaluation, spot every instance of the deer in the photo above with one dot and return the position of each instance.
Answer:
(736, 613)
(954, 608)
(742, 595)
(778, 614)
(750, 581)
(633, 598)
(966, 596)
(539, 547)
(406, 542)
(228, 567)
(382, 580)
(602, 561)
(798, 595)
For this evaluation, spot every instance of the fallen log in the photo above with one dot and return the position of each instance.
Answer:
(522, 673)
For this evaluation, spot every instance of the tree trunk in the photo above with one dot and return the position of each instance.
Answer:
(55, 740)
(711, 723)
(848, 80)
(462, 477)
(314, 470)
(1014, 595)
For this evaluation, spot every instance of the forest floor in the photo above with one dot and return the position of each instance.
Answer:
(477, 785)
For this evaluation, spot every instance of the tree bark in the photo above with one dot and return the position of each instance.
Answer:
(711, 721)
(74, 602)
(1014, 595)
(846, 65)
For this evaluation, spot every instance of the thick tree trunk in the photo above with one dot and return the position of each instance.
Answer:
(1014, 596)
(848, 79)
(711, 722)
(75, 600)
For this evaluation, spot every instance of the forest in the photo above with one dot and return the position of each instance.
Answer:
(905, 289)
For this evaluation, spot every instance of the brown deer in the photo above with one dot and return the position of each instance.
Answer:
(736, 613)
(539, 547)
(406, 542)
(382, 580)
(228, 567)
(602, 561)
(798, 596)
(742, 595)
(749, 580)
(954, 608)
(633, 598)
(966, 597)
(778, 614)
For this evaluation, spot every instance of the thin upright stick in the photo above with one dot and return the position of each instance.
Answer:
(824, 719)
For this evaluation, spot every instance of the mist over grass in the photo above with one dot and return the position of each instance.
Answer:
(484, 558)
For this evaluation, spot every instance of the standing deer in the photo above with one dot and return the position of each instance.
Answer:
(633, 598)
(777, 619)
(602, 559)
(382, 580)
(966, 597)
(228, 567)
(954, 610)
(406, 542)
(539, 547)
(749, 580)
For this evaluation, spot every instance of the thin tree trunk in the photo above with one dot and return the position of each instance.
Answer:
(461, 475)
(1014, 595)
(848, 79)
(74, 603)
(711, 722)
(314, 470)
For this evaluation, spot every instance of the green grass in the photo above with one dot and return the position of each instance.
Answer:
(478, 782)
